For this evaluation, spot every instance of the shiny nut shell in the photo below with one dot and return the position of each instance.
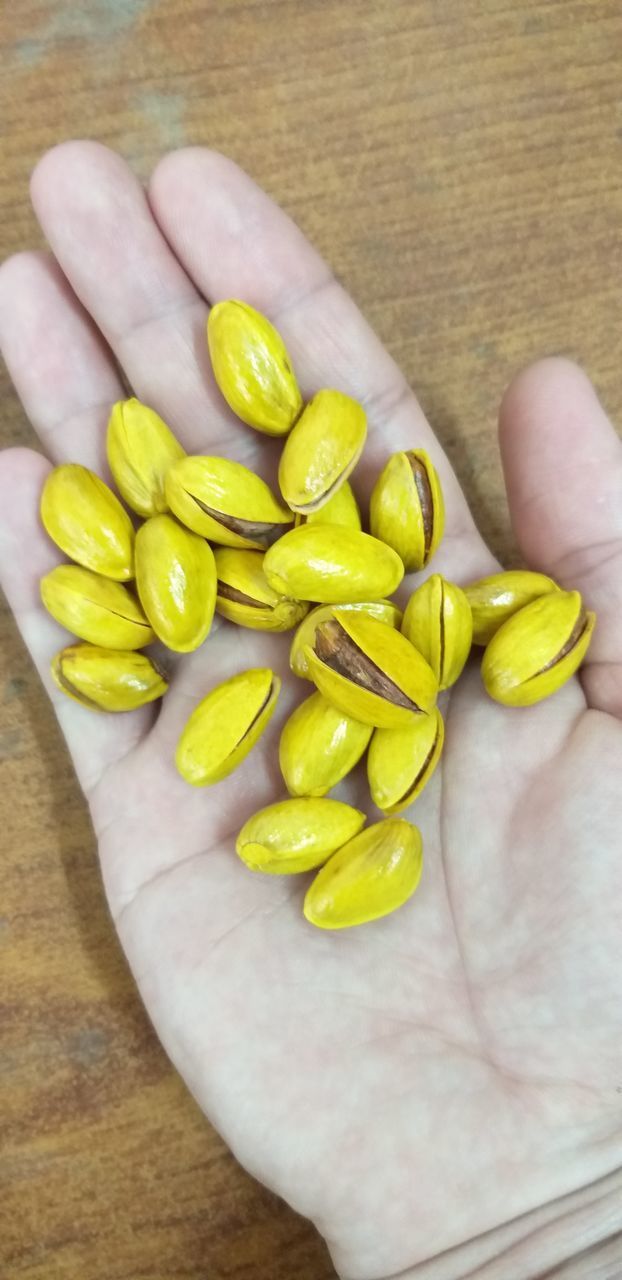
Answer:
(407, 510)
(321, 450)
(140, 449)
(384, 610)
(252, 367)
(538, 649)
(341, 509)
(225, 726)
(333, 565)
(85, 519)
(437, 621)
(319, 746)
(368, 878)
(494, 599)
(176, 581)
(244, 596)
(401, 762)
(95, 608)
(107, 679)
(296, 835)
(223, 501)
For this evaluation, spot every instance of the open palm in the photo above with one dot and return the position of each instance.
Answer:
(433, 1088)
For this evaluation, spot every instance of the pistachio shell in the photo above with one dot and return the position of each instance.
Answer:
(437, 621)
(401, 761)
(176, 580)
(322, 450)
(95, 608)
(538, 649)
(407, 509)
(252, 367)
(372, 875)
(384, 610)
(319, 746)
(296, 835)
(107, 679)
(493, 600)
(86, 520)
(225, 502)
(330, 564)
(370, 671)
(341, 509)
(140, 448)
(243, 594)
(226, 725)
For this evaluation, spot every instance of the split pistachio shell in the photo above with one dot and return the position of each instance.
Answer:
(322, 450)
(437, 621)
(332, 565)
(107, 679)
(538, 649)
(176, 581)
(384, 610)
(252, 367)
(226, 725)
(341, 509)
(401, 761)
(86, 520)
(243, 594)
(370, 671)
(319, 746)
(225, 502)
(296, 835)
(95, 608)
(493, 600)
(140, 448)
(372, 875)
(407, 509)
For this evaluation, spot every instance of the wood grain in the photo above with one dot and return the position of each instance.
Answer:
(459, 166)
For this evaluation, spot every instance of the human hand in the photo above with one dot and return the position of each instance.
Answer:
(440, 1091)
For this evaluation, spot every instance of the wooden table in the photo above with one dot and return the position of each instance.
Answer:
(459, 164)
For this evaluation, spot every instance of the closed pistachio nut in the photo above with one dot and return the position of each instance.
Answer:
(384, 610)
(406, 508)
(538, 649)
(332, 565)
(493, 600)
(225, 502)
(140, 448)
(437, 621)
(252, 367)
(372, 875)
(95, 608)
(370, 671)
(107, 679)
(296, 835)
(86, 520)
(401, 761)
(341, 509)
(321, 450)
(319, 746)
(176, 581)
(243, 594)
(226, 725)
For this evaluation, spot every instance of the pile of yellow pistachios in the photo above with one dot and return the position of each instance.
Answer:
(302, 561)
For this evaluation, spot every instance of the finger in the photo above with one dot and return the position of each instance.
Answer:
(95, 741)
(64, 374)
(232, 240)
(563, 470)
(95, 216)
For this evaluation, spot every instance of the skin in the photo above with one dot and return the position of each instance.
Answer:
(441, 1092)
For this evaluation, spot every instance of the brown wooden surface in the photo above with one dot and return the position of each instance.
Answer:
(459, 164)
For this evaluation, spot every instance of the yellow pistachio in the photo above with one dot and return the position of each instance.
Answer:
(225, 502)
(140, 448)
(493, 600)
(319, 746)
(401, 761)
(331, 564)
(176, 581)
(370, 671)
(384, 610)
(296, 835)
(437, 621)
(226, 725)
(86, 520)
(322, 450)
(407, 509)
(107, 679)
(341, 509)
(244, 596)
(372, 875)
(252, 367)
(538, 649)
(95, 608)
